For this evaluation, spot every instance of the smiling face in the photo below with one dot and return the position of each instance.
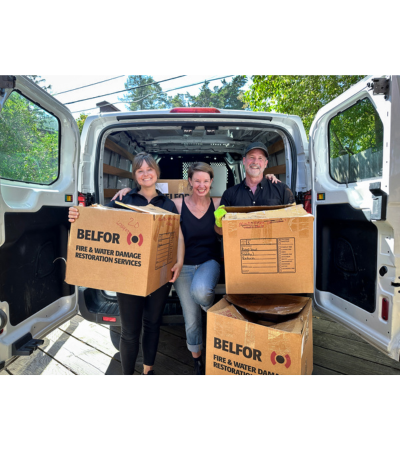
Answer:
(146, 176)
(255, 163)
(201, 183)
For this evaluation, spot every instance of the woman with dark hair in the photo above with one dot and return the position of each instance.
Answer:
(135, 311)
(200, 272)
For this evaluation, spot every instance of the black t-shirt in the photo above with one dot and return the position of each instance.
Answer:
(267, 194)
(201, 241)
(134, 198)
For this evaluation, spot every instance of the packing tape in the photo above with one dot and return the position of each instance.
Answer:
(249, 335)
(304, 227)
(157, 227)
(232, 229)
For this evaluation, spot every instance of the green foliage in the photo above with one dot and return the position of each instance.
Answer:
(295, 94)
(227, 96)
(355, 130)
(39, 81)
(81, 121)
(147, 97)
(28, 142)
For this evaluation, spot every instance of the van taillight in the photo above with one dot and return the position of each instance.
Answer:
(109, 319)
(195, 110)
(81, 199)
(385, 309)
(307, 202)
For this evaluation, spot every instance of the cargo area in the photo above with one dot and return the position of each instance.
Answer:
(175, 147)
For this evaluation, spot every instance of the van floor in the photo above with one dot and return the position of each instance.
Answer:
(80, 347)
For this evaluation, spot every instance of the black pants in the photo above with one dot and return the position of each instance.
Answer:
(135, 311)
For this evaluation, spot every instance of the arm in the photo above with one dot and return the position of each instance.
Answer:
(121, 193)
(271, 177)
(218, 230)
(181, 255)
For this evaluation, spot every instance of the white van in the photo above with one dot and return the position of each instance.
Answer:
(348, 174)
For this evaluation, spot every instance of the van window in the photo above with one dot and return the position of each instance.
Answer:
(356, 143)
(29, 142)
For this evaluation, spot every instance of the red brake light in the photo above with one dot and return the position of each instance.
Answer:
(81, 199)
(195, 110)
(385, 309)
(109, 319)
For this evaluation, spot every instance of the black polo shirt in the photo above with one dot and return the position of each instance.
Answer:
(267, 194)
(135, 198)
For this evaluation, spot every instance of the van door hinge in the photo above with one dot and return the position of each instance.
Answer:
(6, 82)
(380, 86)
(379, 201)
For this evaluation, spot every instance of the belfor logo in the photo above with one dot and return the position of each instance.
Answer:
(280, 359)
(134, 239)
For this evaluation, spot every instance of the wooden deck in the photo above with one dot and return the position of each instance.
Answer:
(83, 348)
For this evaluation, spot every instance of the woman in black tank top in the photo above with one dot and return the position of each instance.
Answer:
(196, 283)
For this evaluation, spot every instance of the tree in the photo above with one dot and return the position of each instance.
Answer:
(146, 97)
(39, 81)
(295, 94)
(28, 142)
(81, 121)
(227, 96)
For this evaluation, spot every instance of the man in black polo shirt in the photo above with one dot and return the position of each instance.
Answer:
(255, 190)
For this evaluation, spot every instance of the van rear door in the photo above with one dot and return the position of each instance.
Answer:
(39, 147)
(354, 142)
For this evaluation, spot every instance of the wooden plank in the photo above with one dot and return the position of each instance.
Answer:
(327, 326)
(173, 357)
(74, 354)
(318, 370)
(93, 334)
(4, 372)
(39, 363)
(358, 349)
(349, 365)
(112, 146)
(276, 147)
(110, 170)
(177, 330)
(165, 365)
(276, 169)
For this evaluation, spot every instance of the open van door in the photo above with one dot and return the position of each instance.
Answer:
(355, 159)
(39, 147)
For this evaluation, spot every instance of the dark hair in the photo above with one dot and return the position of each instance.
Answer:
(200, 167)
(137, 163)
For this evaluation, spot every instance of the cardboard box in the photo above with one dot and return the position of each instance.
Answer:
(268, 250)
(173, 188)
(237, 346)
(122, 250)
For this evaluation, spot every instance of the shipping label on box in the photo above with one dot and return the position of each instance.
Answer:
(268, 251)
(173, 188)
(239, 347)
(121, 250)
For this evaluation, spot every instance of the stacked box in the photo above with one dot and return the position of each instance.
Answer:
(268, 251)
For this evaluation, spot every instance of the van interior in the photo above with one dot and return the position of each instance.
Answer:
(175, 148)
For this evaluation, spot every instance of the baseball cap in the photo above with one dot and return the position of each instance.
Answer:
(255, 145)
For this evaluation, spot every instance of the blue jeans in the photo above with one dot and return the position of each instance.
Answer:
(195, 287)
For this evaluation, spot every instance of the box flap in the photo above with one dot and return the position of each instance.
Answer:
(231, 311)
(247, 209)
(285, 212)
(149, 209)
(290, 326)
(272, 305)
